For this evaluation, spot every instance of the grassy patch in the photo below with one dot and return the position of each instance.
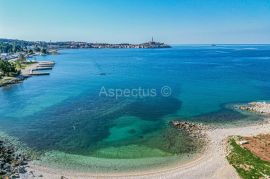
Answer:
(22, 65)
(248, 165)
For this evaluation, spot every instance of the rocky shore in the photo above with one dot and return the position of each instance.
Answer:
(211, 164)
(257, 107)
(9, 81)
(193, 129)
(31, 70)
(12, 163)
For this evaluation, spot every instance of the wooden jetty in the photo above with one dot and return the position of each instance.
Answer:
(42, 68)
(42, 65)
(47, 62)
(39, 73)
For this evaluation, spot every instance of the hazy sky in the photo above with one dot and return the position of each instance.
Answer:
(170, 21)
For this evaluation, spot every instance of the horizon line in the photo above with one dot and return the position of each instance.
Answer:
(174, 44)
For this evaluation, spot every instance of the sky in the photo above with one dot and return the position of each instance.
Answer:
(136, 21)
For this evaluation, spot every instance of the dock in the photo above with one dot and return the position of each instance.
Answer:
(47, 62)
(35, 69)
(39, 73)
(42, 68)
(44, 64)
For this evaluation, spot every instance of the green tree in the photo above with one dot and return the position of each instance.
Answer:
(37, 49)
(10, 48)
(7, 68)
(21, 57)
(16, 48)
(44, 51)
(5, 48)
(30, 51)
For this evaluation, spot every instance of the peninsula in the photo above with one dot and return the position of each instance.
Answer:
(13, 48)
(14, 55)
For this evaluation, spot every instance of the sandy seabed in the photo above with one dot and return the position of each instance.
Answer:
(212, 163)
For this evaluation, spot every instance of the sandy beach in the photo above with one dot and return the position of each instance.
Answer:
(156, 89)
(211, 164)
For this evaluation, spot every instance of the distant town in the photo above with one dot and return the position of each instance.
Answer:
(17, 64)
(12, 49)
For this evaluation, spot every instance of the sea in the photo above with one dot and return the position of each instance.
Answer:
(109, 110)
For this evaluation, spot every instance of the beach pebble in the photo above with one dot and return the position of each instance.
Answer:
(12, 164)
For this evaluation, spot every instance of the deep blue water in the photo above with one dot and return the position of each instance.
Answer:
(64, 111)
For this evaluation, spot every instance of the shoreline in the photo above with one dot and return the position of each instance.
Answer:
(210, 163)
(28, 71)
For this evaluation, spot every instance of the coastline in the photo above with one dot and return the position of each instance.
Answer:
(14, 156)
(211, 163)
(27, 72)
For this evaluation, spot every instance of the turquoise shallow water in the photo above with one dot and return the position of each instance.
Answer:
(64, 113)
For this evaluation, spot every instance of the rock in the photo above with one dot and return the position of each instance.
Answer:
(21, 170)
(257, 107)
(194, 130)
(16, 175)
(24, 162)
(243, 142)
(2, 172)
(15, 163)
(6, 166)
(12, 164)
(1, 163)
